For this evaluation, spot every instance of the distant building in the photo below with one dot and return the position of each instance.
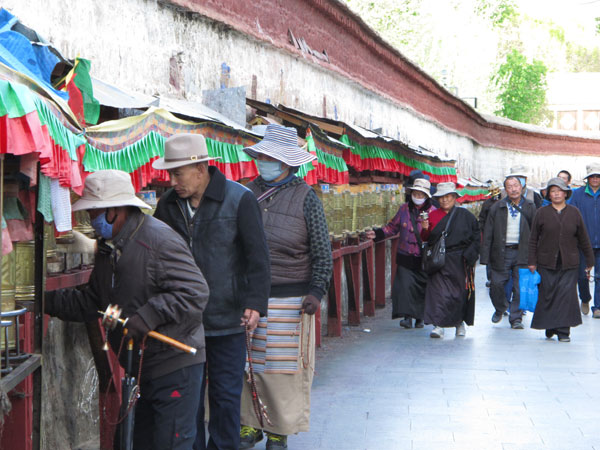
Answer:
(574, 98)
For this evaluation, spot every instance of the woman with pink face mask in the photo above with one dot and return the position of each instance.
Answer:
(408, 290)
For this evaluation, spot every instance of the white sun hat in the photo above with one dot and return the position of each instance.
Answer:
(108, 189)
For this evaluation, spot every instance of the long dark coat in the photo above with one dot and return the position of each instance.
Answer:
(448, 302)
(555, 234)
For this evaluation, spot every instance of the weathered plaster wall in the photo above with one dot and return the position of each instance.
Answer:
(145, 46)
(70, 417)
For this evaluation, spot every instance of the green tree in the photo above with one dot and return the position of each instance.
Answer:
(397, 21)
(582, 59)
(522, 86)
(498, 12)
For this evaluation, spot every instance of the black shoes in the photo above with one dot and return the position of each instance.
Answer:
(419, 323)
(517, 325)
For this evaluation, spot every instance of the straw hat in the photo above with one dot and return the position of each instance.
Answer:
(281, 143)
(445, 189)
(518, 171)
(421, 185)
(181, 150)
(108, 189)
(592, 169)
(559, 182)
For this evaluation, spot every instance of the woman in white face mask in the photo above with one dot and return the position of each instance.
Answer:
(408, 290)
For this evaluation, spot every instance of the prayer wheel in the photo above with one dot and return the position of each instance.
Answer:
(25, 270)
(9, 282)
(50, 242)
(83, 223)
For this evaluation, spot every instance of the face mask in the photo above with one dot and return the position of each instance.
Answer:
(417, 201)
(102, 227)
(523, 181)
(269, 170)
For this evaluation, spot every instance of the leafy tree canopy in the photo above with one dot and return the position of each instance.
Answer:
(522, 87)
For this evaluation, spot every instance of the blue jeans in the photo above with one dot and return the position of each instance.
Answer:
(583, 283)
(225, 362)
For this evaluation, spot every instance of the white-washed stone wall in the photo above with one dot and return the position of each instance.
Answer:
(139, 44)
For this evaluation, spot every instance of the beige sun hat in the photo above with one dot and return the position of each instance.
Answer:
(108, 189)
(518, 171)
(445, 189)
(183, 149)
(592, 169)
(421, 185)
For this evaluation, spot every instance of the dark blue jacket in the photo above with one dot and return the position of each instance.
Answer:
(227, 241)
(589, 206)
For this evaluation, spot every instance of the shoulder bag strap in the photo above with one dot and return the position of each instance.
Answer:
(448, 223)
(518, 208)
(268, 193)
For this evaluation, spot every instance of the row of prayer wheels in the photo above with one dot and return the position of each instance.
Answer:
(355, 208)
(18, 267)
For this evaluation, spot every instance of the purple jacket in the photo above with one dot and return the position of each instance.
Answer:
(401, 223)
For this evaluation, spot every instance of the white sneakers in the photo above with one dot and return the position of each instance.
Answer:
(437, 332)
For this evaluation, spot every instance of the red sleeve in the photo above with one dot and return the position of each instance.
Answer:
(434, 218)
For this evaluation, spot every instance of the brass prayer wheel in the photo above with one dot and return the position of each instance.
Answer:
(8, 293)
(50, 242)
(25, 270)
(83, 223)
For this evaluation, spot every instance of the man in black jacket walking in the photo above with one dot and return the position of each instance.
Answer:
(505, 246)
(221, 222)
(149, 272)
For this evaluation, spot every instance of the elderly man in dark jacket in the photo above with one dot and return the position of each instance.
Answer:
(221, 222)
(505, 247)
(587, 200)
(149, 272)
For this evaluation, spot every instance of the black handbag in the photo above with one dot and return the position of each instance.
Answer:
(434, 255)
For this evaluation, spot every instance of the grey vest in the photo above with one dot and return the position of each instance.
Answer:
(286, 233)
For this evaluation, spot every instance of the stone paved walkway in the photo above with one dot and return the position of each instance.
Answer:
(496, 389)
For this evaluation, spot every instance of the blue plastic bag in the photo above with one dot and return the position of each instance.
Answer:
(528, 289)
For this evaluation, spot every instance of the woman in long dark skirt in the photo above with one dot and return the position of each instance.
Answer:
(557, 235)
(408, 289)
(450, 292)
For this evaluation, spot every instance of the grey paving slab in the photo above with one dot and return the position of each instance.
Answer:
(495, 389)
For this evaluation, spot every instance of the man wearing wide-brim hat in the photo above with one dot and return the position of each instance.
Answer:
(522, 173)
(221, 222)
(587, 200)
(149, 272)
(301, 267)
